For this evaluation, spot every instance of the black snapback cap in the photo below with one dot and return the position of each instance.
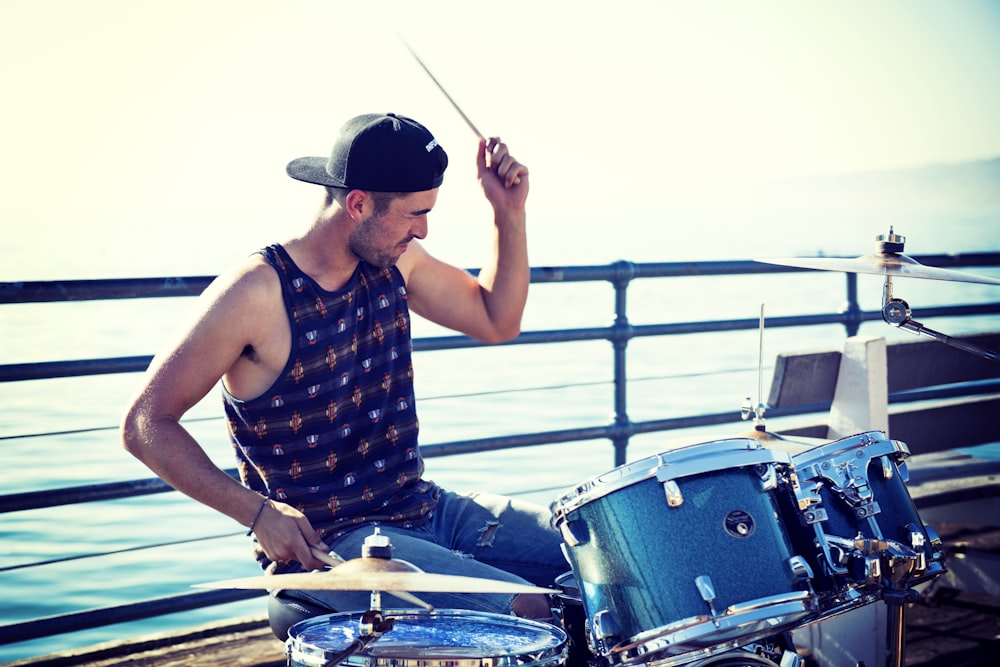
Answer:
(379, 153)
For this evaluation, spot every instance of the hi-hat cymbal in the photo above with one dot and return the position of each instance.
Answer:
(882, 263)
(376, 574)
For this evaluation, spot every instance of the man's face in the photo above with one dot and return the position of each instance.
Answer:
(381, 239)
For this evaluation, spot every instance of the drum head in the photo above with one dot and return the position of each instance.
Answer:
(441, 638)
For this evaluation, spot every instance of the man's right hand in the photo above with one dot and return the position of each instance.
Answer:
(285, 534)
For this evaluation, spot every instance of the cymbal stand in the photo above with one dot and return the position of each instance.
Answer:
(897, 313)
(372, 624)
(749, 409)
(890, 565)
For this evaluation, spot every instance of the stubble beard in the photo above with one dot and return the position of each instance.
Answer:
(363, 242)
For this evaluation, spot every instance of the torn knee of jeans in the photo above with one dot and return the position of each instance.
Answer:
(488, 533)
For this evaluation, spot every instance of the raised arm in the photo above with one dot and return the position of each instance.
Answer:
(488, 308)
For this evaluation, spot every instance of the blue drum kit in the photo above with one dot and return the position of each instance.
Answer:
(705, 555)
(710, 554)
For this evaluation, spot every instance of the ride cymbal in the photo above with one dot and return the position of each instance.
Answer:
(376, 574)
(887, 264)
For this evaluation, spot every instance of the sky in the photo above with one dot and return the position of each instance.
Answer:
(150, 138)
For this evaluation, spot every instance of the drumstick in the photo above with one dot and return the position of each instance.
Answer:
(331, 559)
(441, 88)
(454, 104)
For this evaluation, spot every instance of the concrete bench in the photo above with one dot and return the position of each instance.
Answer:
(931, 396)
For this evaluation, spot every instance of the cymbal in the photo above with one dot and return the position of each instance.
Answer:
(792, 445)
(376, 574)
(882, 263)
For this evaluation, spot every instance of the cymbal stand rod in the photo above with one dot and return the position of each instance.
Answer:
(760, 368)
(749, 409)
(918, 328)
(897, 313)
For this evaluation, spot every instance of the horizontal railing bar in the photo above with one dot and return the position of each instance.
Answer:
(141, 288)
(47, 370)
(47, 291)
(96, 618)
(59, 369)
(85, 493)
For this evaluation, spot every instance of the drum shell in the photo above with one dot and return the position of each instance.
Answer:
(878, 463)
(638, 558)
(439, 638)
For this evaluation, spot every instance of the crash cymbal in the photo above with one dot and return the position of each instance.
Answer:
(887, 264)
(376, 574)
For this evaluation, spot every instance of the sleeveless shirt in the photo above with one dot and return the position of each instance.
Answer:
(336, 435)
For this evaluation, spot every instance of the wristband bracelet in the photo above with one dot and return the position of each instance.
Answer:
(257, 516)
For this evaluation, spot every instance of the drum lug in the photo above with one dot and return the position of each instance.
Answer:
(605, 628)
(904, 471)
(707, 591)
(917, 542)
(768, 477)
(932, 536)
(873, 570)
(573, 533)
(806, 498)
(673, 493)
(889, 469)
(800, 569)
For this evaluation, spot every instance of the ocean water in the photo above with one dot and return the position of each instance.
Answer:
(62, 432)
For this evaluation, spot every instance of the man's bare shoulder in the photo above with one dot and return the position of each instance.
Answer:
(252, 282)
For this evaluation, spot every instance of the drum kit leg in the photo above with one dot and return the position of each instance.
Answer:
(707, 555)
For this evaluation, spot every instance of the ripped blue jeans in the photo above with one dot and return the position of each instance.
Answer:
(479, 535)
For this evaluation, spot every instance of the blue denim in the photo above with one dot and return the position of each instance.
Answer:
(478, 535)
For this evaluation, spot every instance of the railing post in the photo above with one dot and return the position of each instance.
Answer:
(621, 333)
(851, 307)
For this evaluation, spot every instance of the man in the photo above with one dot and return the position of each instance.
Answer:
(311, 340)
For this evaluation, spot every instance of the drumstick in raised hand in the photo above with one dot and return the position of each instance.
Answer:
(454, 104)
(441, 88)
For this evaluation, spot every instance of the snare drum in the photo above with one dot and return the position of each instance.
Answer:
(683, 551)
(853, 519)
(440, 638)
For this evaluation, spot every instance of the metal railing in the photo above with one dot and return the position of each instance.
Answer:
(619, 333)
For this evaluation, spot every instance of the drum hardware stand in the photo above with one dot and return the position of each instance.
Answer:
(889, 260)
(897, 312)
(895, 593)
(372, 624)
(757, 411)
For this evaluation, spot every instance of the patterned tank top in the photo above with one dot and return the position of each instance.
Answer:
(336, 435)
